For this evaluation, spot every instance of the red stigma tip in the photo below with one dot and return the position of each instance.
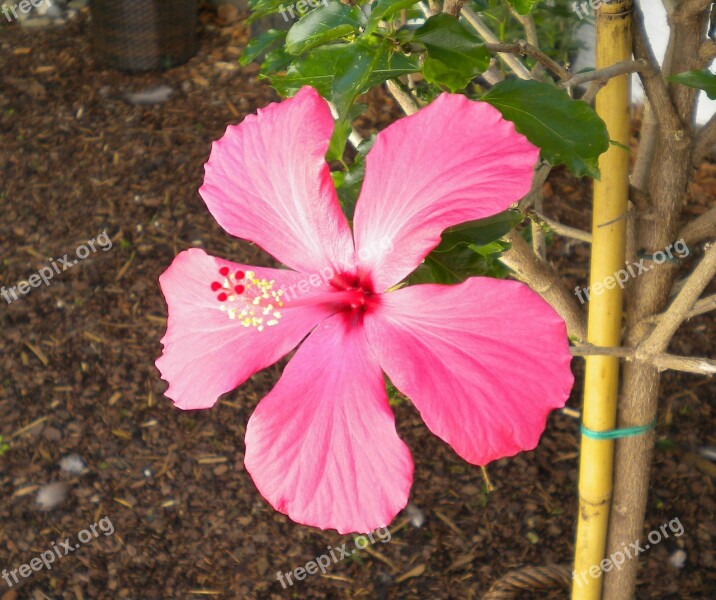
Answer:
(222, 297)
(215, 285)
(239, 274)
(224, 271)
(239, 289)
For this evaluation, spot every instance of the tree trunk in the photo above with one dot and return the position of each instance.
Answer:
(667, 185)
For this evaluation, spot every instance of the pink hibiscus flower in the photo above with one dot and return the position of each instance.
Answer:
(484, 361)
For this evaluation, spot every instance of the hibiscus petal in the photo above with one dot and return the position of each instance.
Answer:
(322, 446)
(453, 161)
(484, 362)
(267, 181)
(206, 352)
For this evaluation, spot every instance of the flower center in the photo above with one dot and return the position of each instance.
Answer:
(245, 297)
(355, 293)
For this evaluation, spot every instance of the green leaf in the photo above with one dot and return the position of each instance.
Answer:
(567, 131)
(324, 24)
(262, 8)
(482, 232)
(348, 184)
(523, 7)
(342, 71)
(454, 54)
(341, 131)
(703, 80)
(457, 265)
(261, 44)
(275, 61)
(383, 10)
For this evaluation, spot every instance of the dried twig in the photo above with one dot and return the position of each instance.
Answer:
(603, 75)
(652, 80)
(686, 9)
(662, 361)
(707, 52)
(402, 97)
(561, 229)
(486, 34)
(453, 7)
(701, 228)
(703, 306)
(542, 278)
(679, 309)
(705, 141)
(536, 190)
(525, 49)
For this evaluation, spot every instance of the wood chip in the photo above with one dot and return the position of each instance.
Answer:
(123, 502)
(414, 572)
(32, 425)
(449, 523)
(37, 352)
(125, 267)
(24, 491)
(92, 337)
(211, 460)
(465, 559)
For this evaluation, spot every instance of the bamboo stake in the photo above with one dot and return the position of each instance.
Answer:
(605, 311)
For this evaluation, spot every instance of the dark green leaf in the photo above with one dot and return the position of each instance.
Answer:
(454, 54)
(383, 10)
(496, 247)
(456, 266)
(261, 44)
(275, 61)
(341, 131)
(523, 7)
(481, 232)
(324, 24)
(703, 80)
(262, 8)
(348, 184)
(342, 71)
(567, 131)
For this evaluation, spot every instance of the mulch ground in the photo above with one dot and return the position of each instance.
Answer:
(77, 372)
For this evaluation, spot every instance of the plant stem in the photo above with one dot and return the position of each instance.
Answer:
(611, 195)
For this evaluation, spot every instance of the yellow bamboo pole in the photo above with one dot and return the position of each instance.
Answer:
(605, 306)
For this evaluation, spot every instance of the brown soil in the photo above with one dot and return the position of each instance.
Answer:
(77, 373)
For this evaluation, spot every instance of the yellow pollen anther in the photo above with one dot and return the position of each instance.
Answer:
(250, 299)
